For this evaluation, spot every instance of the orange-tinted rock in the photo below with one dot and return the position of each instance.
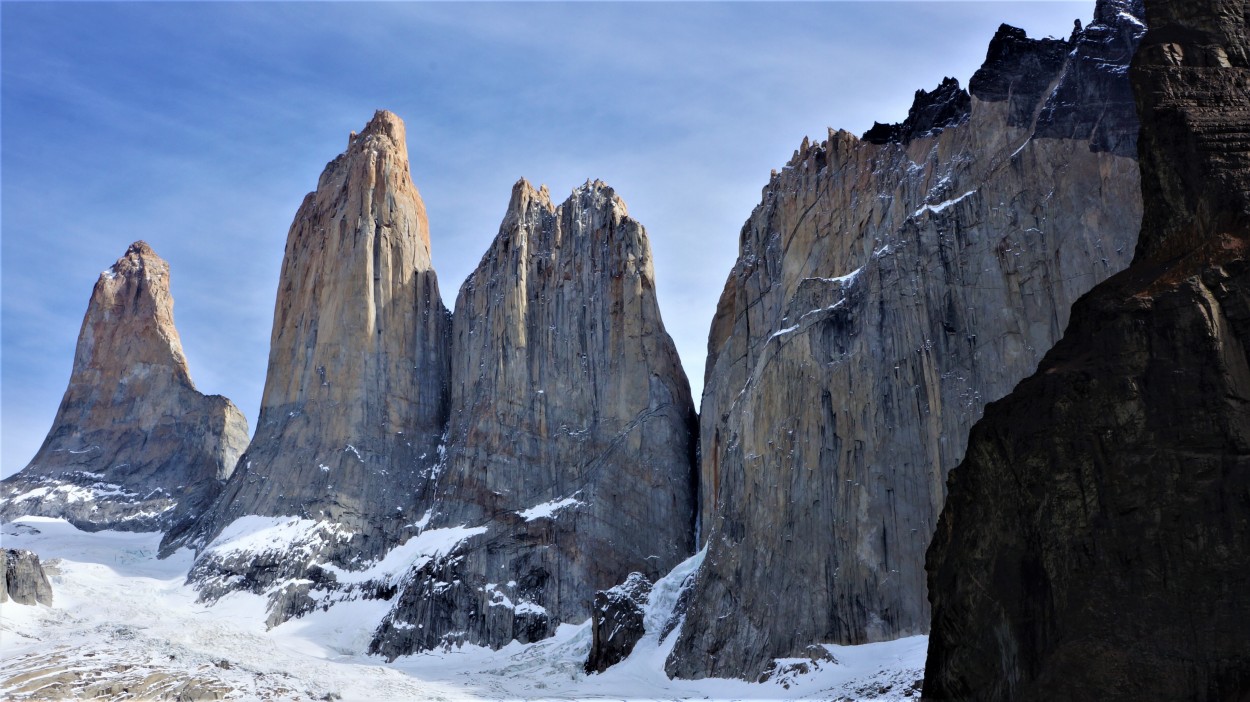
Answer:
(134, 445)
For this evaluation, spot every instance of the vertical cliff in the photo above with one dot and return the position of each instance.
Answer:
(22, 578)
(886, 289)
(571, 439)
(355, 396)
(134, 445)
(1096, 541)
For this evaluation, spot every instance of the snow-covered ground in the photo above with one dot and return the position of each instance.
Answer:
(124, 626)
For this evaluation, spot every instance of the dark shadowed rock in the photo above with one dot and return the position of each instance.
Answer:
(1092, 100)
(134, 445)
(1096, 542)
(356, 391)
(882, 295)
(24, 579)
(1019, 70)
(617, 622)
(947, 106)
(571, 438)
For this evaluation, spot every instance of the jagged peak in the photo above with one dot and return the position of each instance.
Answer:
(947, 105)
(139, 256)
(141, 248)
(129, 317)
(596, 194)
(524, 192)
(383, 134)
(383, 124)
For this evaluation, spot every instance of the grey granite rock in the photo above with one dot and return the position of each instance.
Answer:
(571, 437)
(24, 580)
(883, 294)
(1096, 541)
(134, 445)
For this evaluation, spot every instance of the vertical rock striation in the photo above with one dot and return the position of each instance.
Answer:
(1096, 542)
(134, 445)
(22, 578)
(355, 396)
(571, 438)
(885, 291)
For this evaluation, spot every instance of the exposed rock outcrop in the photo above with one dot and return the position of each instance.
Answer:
(617, 622)
(1096, 542)
(571, 438)
(134, 445)
(883, 294)
(24, 580)
(355, 395)
(931, 112)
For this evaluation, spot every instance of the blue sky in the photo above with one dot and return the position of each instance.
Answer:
(200, 127)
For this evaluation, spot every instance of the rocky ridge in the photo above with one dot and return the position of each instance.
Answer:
(134, 446)
(571, 438)
(22, 578)
(355, 396)
(618, 622)
(1094, 544)
(884, 292)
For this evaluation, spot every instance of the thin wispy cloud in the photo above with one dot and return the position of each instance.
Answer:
(200, 126)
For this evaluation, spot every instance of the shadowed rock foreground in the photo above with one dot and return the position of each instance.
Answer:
(885, 290)
(1096, 542)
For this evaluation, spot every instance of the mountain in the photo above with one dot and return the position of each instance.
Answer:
(1096, 541)
(570, 446)
(886, 289)
(134, 445)
(22, 578)
(355, 397)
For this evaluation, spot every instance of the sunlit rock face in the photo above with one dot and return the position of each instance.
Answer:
(355, 396)
(1096, 540)
(571, 438)
(885, 291)
(134, 445)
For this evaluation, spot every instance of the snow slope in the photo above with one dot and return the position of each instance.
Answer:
(123, 620)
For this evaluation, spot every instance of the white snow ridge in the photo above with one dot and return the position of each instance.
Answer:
(123, 620)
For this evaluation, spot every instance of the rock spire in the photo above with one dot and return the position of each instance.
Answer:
(571, 439)
(134, 445)
(355, 396)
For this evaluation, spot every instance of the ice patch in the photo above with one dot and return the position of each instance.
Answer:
(255, 534)
(413, 553)
(547, 510)
(844, 280)
(783, 332)
(1132, 20)
(424, 521)
(943, 205)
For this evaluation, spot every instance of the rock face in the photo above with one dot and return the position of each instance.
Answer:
(355, 396)
(24, 579)
(883, 294)
(947, 106)
(617, 622)
(1096, 540)
(134, 445)
(571, 440)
